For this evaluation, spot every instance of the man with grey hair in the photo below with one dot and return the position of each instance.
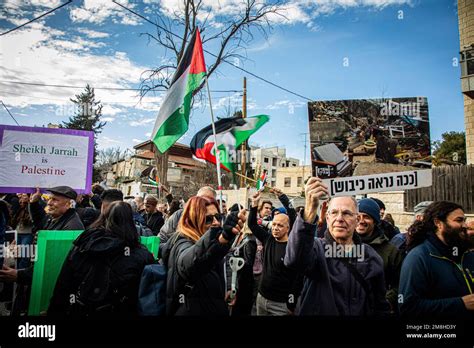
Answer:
(343, 276)
(400, 240)
(171, 223)
(207, 191)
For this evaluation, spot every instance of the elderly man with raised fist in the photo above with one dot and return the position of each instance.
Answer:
(343, 276)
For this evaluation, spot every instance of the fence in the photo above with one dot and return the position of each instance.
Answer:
(450, 183)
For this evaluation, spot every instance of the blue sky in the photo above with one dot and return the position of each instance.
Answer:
(392, 48)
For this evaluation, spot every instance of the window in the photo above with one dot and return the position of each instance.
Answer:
(300, 181)
(274, 162)
(274, 173)
(283, 164)
(287, 182)
(293, 164)
(265, 159)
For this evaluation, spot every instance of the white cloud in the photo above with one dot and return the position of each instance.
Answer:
(43, 3)
(107, 119)
(233, 101)
(77, 44)
(142, 122)
(148, 134)
(41, 54)
(110, 110)
(92, 34)
(105, 141)
(20, 11)
(138, 141)
(285, 104)
(270, 42)
(99, 11)
(291, 12)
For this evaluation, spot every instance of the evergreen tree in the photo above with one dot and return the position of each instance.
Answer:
(87, 118)
(453, 142)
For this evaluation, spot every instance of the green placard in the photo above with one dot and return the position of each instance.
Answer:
(52, 249)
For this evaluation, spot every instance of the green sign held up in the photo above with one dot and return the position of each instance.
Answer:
(52, 249)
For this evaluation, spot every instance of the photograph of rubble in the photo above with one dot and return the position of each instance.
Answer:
(369, 136)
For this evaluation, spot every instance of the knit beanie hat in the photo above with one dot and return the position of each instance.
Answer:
(370, 207)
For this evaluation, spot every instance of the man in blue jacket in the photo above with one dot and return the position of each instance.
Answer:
(437, 276)
(343, 276)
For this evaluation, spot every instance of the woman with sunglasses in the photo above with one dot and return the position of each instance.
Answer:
(196, 283)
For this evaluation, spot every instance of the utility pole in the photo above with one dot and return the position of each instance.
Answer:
(243, 148)
(304, 161)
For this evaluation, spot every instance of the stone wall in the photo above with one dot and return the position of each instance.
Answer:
(394, 205)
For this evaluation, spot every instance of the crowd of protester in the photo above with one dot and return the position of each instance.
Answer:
(340, 257)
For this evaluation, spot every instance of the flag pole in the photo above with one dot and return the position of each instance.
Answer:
(218, 160)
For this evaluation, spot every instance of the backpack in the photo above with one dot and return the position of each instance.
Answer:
(152, 290)
(153, 283)
(99, 290)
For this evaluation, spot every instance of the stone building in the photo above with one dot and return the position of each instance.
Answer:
(466, 37)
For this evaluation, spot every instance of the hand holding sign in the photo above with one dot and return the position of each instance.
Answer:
(314, 190)
(36, 196)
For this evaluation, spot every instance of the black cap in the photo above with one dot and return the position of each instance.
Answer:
(65, 191)
(379, 203)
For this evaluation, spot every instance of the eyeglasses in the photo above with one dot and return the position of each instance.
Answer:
(210, 218)
(346, 214)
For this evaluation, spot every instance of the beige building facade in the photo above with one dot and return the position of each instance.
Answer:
(466, 37)
(291, 179)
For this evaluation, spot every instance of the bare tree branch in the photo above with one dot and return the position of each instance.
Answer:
(234, 37)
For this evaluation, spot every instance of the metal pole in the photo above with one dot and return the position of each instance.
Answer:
(244, 148)
(218, 160)
(304, 161)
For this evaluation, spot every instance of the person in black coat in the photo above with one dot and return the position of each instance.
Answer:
(153, 219)
(196, 281)
(102, 271)
(60, 216)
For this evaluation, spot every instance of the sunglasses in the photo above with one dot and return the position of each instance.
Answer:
(210, 218)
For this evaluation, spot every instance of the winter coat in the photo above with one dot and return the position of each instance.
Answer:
(196, 282)
(330, 288)
(69, 221)
(290, 210)
(170, 226)
(388, 229)
(433, 281)
(154, 221)
(88, 215)
(95, 248)
(392, 263)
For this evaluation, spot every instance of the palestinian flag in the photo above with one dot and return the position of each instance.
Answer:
(262, 181)
(155, 181)
(173, 117)
(230, 133)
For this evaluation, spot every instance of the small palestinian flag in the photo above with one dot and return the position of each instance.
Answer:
(230, 133)
(173, 117)
(262, 181)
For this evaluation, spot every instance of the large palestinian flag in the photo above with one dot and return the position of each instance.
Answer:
(230, 134)
(173, 117)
